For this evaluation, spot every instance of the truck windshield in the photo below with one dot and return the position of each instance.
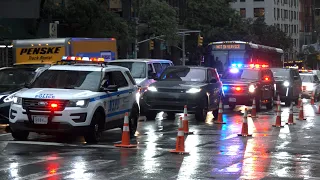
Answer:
(241, 74)
(184, 74)
(64, 79)
(137, 69)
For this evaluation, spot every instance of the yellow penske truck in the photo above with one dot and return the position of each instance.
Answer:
(48, 51)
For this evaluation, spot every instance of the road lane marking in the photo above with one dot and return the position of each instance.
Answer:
(5, 134)
(124, 174)
(39, 175)
(62, 144)
(31, 162)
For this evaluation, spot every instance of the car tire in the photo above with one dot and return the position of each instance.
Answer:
(20, 135)
(201, 113)
(151, 115)
(258, 105)
(270, 104)
(133, 120)
(171, 115)
(287, 103)
(95, 130)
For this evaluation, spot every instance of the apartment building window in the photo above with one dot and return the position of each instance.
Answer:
(243, 12)
(286, 14)
(286, 28)
(242, 0)
(295, 16)
(278, 13)
(291, 15)
(258, 12)
(281, 13)
(285, 2)
(275, 13)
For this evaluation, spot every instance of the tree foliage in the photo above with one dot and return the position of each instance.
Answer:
(86, 18)
(219, 22)
(160, 19)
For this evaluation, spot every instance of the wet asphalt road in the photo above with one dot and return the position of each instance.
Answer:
(216, 152)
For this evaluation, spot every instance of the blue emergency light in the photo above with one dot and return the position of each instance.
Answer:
(84, 59)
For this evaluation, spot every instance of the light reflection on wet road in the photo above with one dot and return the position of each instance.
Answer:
(216, 152)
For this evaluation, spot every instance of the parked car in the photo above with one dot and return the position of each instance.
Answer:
(12, 79)
(287, 84)
(310, 84)
(197, 87)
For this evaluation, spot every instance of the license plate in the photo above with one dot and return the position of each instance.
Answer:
(40, 119)
(232, 100)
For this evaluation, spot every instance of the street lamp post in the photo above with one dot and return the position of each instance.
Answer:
(185, 32)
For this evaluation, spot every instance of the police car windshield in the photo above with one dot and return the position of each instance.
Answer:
(183, 74)
(249, 74)
(63, 79)
(15, 76)
(137, 69)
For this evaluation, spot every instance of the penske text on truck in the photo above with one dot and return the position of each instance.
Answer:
(51, 50)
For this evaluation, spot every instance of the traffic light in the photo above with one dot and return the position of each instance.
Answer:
(200, 40)
(151, 45)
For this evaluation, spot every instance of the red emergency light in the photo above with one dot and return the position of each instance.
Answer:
(53, 105)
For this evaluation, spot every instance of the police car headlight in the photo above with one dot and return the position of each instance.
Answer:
(252, 88)
(152, 89)
(286, 83)
(78, 103)
(17, 100)
(194, 90)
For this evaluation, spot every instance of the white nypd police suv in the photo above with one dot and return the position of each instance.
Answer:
(76, 98)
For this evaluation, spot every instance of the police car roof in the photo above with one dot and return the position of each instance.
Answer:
(140, 60)
(85, 67)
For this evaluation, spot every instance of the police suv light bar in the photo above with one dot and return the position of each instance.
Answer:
(249, 65)
(87, 59)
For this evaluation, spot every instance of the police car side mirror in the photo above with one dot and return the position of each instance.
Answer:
(111, 88)
(27, 85)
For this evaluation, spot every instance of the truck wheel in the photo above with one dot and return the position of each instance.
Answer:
(95, 129)
(20, 135)
(269, 105)
(151, 115)
(201, 113)
(133, 120)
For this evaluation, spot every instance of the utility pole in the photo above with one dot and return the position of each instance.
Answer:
(185, 32)
(136, 48)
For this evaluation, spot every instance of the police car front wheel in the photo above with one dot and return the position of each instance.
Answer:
(20, 135)
(95, 129)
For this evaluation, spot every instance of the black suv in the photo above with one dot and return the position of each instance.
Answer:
(288, 84)
(197, 87)
(242, 84)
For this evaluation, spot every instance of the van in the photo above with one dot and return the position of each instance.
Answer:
(144, 71)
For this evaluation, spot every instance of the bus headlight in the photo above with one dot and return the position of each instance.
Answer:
(252, 88)
(286, 83)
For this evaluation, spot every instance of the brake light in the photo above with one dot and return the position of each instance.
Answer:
(53, 105)
(266, 78)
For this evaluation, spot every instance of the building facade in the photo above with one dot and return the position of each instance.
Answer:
(283, 14)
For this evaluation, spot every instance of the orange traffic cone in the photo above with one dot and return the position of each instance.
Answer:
(254, 110)
(301, 113)
(290, 120)
(299, 101)
(244, 131)
(180, 141)
(278, 118)
(186, 121)
(220, 111)
(312, 98)
(125, 141)
(278, 103)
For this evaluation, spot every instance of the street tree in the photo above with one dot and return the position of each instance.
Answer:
(86, 18)
(158, 18)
